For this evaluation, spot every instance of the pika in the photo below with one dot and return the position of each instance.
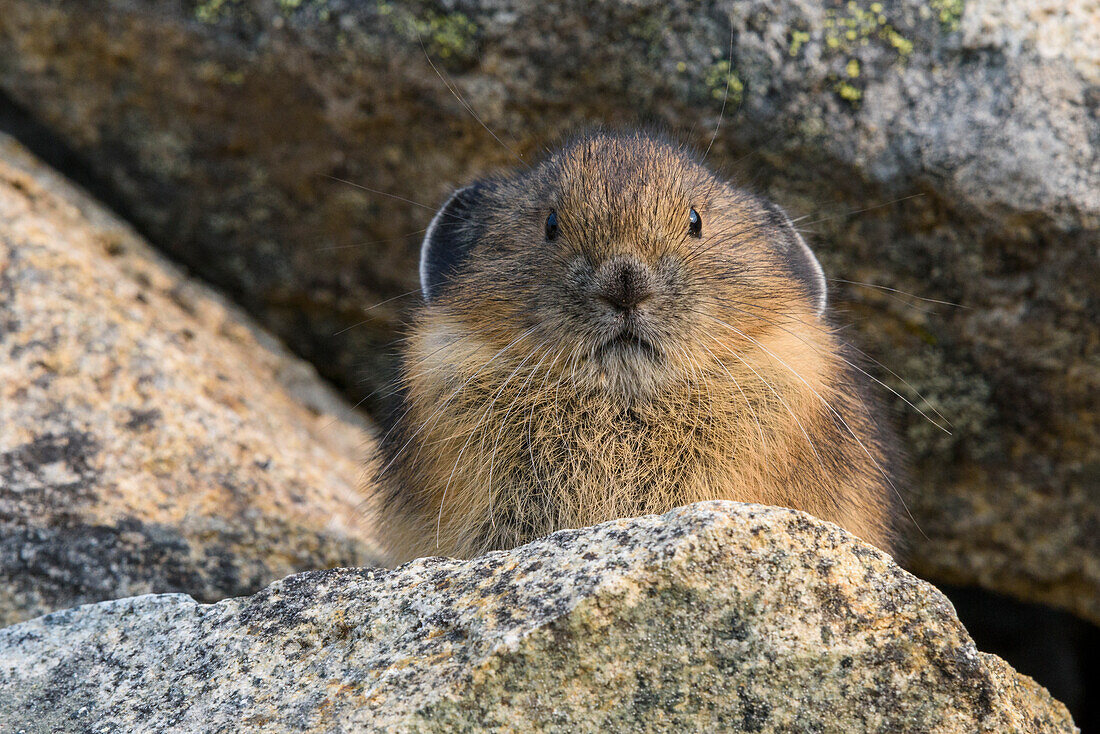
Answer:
(614, 332)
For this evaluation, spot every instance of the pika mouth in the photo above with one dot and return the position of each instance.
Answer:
(627, 345)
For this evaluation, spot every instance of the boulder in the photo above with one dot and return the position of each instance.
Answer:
(715, 617)
(152, 438)
(942, 148)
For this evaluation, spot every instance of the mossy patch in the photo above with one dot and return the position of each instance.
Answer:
(447, 36)
(848, 29)
(720, 77)
(848, 92)
(959, 394)
(853, 26)
(216, 11)
(211, 11)
(650, 26)
(949, 13)
(798, 39)
(846, 88)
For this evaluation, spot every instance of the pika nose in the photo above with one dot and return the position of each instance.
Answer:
(624, 283)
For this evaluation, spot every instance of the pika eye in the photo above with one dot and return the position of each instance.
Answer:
(552, 226)
(695, 224)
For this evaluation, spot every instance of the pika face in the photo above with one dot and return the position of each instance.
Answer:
(624, 256)
(614, 332)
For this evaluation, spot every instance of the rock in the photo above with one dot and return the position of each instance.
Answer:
(715, 617)
(944, 148)
(151, 437)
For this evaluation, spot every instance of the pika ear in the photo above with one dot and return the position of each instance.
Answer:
(801, 259)
(449, 238)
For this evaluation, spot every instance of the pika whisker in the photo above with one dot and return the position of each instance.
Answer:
(453, 90)
(737, 384)
(779, 397)
(831, 409)
(866, 374)
(481, 419)
(457, 390)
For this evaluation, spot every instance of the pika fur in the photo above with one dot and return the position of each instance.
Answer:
(615, 332)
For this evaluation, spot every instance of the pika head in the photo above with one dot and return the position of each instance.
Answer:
(622, 256)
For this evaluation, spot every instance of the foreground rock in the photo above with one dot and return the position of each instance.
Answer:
(714, 617)
(215, 124)
(151, 439)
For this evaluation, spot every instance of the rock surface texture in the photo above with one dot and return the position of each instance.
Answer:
(151, 438)
(216, 124)
(715, 617)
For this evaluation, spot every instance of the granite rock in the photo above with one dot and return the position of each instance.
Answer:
(715, 617)
(944, 148)
(151, 437)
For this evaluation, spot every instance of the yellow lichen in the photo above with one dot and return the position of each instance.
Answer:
(211, 10)
(855, 26)
(949, 13)
(848, 92)
(446, 35)
(798, 39)
(720, 77)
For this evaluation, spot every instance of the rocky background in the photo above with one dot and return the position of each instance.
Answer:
(945, 156)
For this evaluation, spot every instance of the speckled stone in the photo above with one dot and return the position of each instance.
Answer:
(945, 148)
(151, 437)
(715, 617)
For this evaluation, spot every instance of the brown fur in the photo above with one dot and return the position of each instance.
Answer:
(517, 423)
